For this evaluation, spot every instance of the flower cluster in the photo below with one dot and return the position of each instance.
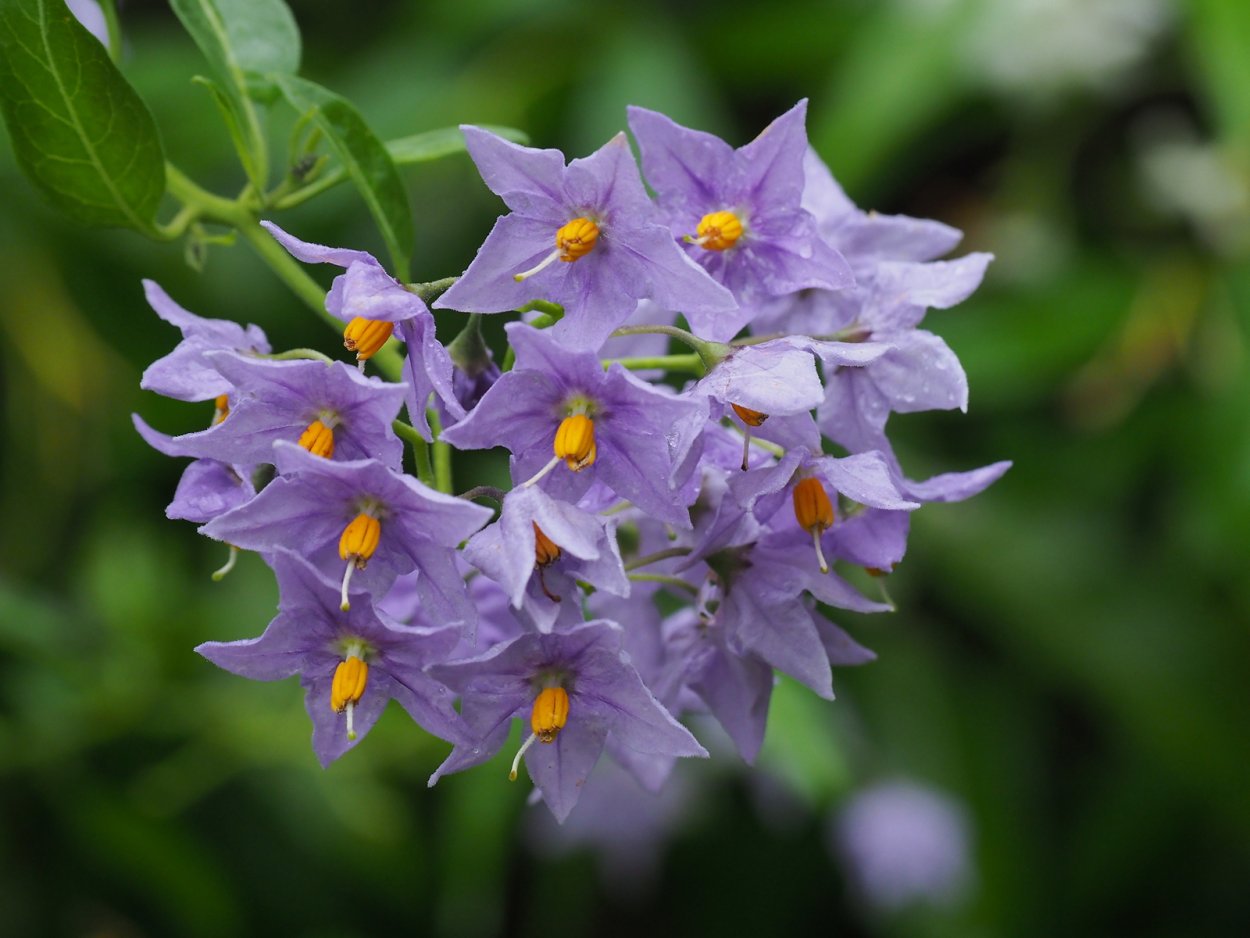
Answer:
(675, 518)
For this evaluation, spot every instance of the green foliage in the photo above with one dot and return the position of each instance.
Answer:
(80, 131)
(446, 141)
(244, 41)
(366, 160)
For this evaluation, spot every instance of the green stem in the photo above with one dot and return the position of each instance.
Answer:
(432, 290)
(659, 555)
(237, 214)
(711, 353)
(420, 450)
(442, 455)
(668, 580)
(681, 334)
(691, 363)
(288, 270)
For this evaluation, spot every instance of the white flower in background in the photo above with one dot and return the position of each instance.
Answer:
(1186, 176)
(1038, 48)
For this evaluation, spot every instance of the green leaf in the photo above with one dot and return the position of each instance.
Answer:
(80, 131)
(244, 41)
(446, 141)
(1218, 34)
(366, 160)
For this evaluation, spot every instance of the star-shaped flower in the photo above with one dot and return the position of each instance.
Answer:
(331, 410)
(584, 236)
(361, 513)
(739, 211)
(350, 663)
(577, 688)
(610, 427)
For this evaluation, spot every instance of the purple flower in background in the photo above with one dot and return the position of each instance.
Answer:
(739, 212)
(331, 410)
(372, 302)
(610, 427)
(578, 689)
(350, 663)
(365, 515)
(187, 373)
(584, 235)
(903, 843)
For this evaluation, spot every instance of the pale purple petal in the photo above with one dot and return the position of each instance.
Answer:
(955, 486)
(529, 180)
(311, 253)
(920, 373)
(560, 769)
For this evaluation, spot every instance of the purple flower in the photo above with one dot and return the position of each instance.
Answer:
(366, 291)
(867, 238)
(365, 515)
(739, 211)
(539, 546)
(332, 410)
(207, 488)
(578, 689)
(905, 843)
(350, 663)
(778, 379)
(584, 235)
(187, 373)
(761, 574)
(610, 427)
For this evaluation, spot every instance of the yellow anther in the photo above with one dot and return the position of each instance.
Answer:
(815, 513)
(812, 506)
(366, 336)
(752, 418)
(222, 409)
(546, 551)
(576, 239)
(575, 441)
(360, 539)
(318, 439)
(349, 682)
(718, 231)
(551, 712)
(573, 240)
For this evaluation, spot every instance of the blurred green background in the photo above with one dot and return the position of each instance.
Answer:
(1069, 660)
